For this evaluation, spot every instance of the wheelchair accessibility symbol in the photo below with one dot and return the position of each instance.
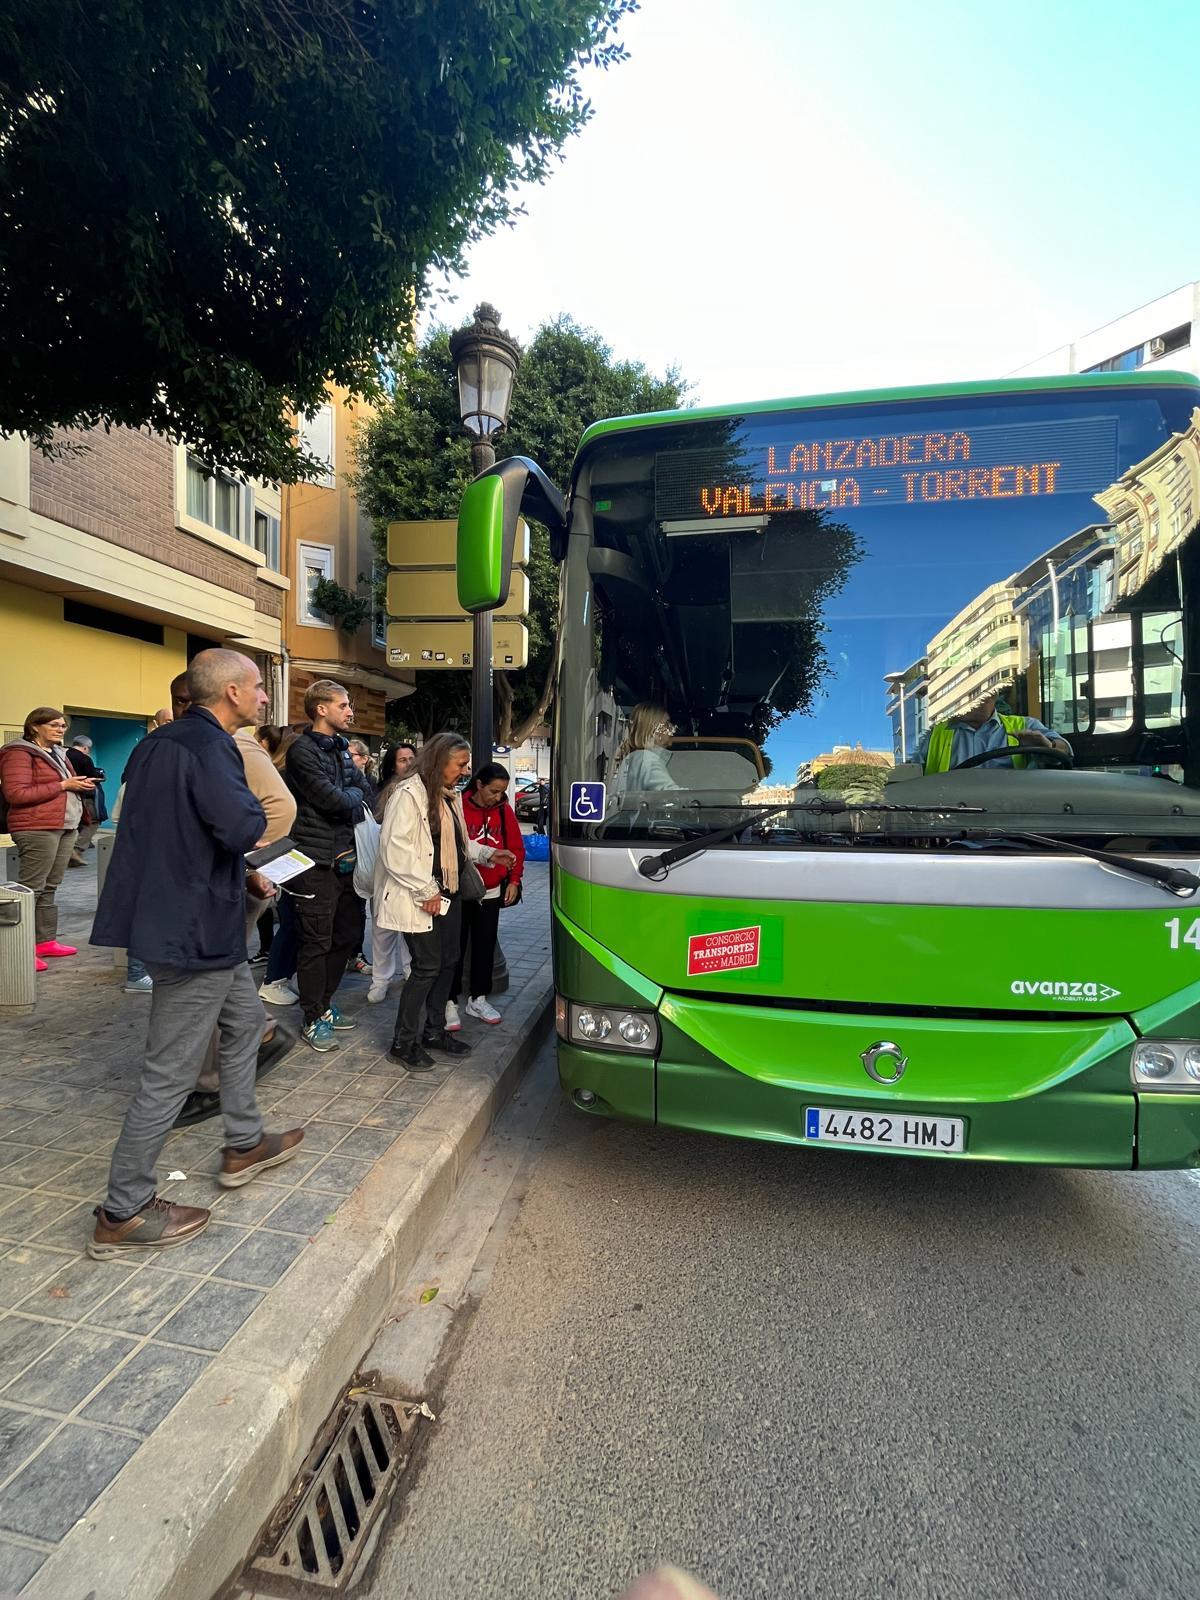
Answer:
(587, 802)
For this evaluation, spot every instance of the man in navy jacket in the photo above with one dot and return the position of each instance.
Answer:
(175, 898)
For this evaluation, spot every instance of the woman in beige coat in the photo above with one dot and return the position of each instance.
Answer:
(423, 843)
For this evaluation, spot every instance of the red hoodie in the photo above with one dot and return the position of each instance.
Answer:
(499, 829)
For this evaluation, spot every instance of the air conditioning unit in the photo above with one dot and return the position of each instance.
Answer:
(1158, 347)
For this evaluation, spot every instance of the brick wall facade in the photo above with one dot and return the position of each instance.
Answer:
(370, 705)
(121, 489)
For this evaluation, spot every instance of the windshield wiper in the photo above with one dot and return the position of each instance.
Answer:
(657, 867)
(1173, 880)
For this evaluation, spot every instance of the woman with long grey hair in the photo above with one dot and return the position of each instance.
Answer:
(423, 845)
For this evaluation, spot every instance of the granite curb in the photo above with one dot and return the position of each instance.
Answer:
(180, 1519)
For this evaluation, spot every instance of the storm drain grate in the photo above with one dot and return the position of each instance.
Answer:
(343, 1487)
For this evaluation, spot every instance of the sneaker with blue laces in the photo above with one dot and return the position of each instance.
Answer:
(319, 1034)
(338, 1020)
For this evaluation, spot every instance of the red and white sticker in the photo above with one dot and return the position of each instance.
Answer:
(723, 952)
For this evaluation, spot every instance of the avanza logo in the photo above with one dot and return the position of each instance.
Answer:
(1056, 990)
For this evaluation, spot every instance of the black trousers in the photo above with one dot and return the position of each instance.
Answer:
(329, 929)
(480, 927)
(427, 987)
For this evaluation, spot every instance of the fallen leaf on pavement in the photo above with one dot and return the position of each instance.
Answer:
(429, 1294)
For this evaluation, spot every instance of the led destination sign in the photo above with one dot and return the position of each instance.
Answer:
(1076, 455)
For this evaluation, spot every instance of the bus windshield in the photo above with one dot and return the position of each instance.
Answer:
(875, 605)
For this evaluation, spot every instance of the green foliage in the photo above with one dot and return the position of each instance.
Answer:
(414, 462)
(348, 610)
(210, 209)
(855, 782)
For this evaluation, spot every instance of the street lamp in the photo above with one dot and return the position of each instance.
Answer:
(486, 359)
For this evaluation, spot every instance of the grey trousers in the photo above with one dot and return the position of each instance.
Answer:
(184, 1009)
(43, 858)
(86, 834)
(209, 1080)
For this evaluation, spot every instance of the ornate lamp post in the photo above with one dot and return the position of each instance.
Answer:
(486, 359)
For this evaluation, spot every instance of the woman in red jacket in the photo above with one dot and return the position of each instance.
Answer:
(490, 820)
(42, 798)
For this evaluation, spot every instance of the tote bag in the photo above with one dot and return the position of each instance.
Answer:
(366, 849)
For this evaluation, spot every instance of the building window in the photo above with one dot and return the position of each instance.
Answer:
(266, 538)
(317, 439)
(316, 562)
(221, 501)
(215, 498)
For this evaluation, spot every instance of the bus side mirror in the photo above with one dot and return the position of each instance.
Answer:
(488, 515)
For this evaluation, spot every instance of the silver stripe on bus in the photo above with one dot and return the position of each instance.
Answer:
(883, 877)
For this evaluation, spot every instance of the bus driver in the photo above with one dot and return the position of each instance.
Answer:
(980, 729)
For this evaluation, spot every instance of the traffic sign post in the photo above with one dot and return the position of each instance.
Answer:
(415, 596)
(435, 646)
(428, 631)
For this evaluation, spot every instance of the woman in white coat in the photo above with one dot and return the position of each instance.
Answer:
(423, 843)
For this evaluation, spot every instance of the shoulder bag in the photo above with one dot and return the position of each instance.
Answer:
(471, 886)
(506, 904)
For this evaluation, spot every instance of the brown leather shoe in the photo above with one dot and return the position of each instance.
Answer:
(239, 1166)
(157, 1226)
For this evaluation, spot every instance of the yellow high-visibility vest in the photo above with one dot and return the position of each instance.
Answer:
(941, 744)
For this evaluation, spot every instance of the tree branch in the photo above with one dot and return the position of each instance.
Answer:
(537, 716)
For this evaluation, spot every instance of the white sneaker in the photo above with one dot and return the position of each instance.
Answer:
(279, 994)
(479, 1008)
(453, 1020)
(139, 985)
(377, 992)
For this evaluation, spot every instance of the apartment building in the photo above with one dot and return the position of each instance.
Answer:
(327, 536)
(976, 651)
(119, 559)
(1165, 334)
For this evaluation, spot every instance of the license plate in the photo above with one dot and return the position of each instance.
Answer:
(894, 1130)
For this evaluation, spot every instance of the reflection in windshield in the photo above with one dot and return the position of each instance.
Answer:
(781, 609)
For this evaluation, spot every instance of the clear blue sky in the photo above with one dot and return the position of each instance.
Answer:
(783, 198)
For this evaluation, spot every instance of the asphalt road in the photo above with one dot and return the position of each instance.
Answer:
(814, 1374)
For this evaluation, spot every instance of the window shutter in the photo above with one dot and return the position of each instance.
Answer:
(316, 436)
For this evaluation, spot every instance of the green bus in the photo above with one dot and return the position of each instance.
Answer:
(876, 793)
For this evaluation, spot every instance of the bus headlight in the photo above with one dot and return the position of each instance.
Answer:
(609, 1027)
(635, 1030)
(593, 1027)
(1172, 1064)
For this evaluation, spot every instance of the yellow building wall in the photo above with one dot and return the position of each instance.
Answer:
(46, 661)
(317, 514)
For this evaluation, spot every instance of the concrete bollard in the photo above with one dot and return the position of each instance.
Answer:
(18, 990)
(105, 840)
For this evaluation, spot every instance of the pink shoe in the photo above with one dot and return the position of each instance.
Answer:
(51, 947)
(39, 965)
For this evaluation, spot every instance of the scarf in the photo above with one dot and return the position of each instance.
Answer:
(448, 847)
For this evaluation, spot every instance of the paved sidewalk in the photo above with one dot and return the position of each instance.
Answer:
(95, 1355)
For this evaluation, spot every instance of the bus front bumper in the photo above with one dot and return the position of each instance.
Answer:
(1023, 1091)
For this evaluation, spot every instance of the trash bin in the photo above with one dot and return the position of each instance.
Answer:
(18, 992)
